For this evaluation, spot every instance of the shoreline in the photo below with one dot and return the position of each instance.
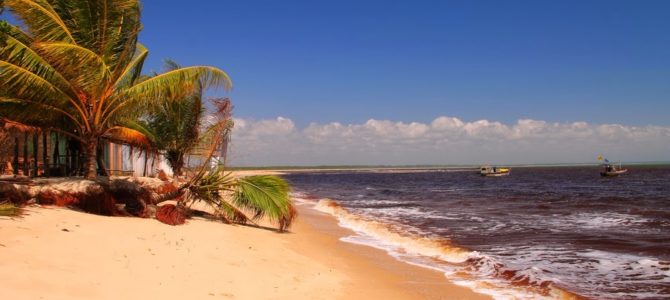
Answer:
(372, 273)
(58, 253)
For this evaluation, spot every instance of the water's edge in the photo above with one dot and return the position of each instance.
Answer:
(427, 253)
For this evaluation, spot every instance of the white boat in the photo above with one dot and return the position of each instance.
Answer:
(612, 171)
(489, 171)
(609, 169)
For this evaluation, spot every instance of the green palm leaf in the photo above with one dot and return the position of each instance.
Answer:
(85, 69)
(133, 70)
(172, 84)
(20, 54)
(19, 82)
(266, 196)
(42, 20)
(78, 61)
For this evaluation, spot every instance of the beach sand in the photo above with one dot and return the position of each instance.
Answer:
(57, 253)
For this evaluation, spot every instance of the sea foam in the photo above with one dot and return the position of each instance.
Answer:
(471, 269)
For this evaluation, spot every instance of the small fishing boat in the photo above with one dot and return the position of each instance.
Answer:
(489, 171)
(609, 169)
(612, 171)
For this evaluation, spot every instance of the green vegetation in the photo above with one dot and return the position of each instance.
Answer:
(233, 198)
(4, 27)
(74, 67)
(174, 126)
(76, 71)
(9, 210)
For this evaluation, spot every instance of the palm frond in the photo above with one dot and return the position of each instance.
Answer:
(84, 68)
(128, 136)
(36, 113)
(99, 25)
(43, 22)
(19, 53)
(264, 195)
(140, 126)
(174, 83)
(133, 70)
(170, 65)
(20, 83)
(18, 33)
(231, 214)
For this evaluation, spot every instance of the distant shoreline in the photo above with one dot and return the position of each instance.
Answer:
(280, 169)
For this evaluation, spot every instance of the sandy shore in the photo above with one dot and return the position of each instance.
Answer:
(55, 253)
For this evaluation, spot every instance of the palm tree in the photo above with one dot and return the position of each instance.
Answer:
(77, 65)
(175, 125)
(232, 198)
(263, 196)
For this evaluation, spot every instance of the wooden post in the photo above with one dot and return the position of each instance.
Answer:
(25, 154)
(45, 156)
(16, 156)
(36, 143)
(146, 161)
(68, 156)
(56, 155)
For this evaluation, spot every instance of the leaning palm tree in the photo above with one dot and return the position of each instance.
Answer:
(235, 200)
(79, 61)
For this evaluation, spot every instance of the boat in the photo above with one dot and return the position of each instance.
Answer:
(612, 171)
(489, 171)
(609, 169)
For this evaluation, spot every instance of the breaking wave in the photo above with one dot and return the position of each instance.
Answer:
(467, 268)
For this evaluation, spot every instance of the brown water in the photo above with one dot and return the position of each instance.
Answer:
(534, 233)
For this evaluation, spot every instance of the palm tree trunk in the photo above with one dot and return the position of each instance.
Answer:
(176, 162)
(90, 151)
(177, 166)
(170, 196)
(100, 161)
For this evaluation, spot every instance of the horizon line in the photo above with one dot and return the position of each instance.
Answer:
(439, 166)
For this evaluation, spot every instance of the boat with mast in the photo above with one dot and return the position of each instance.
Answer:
(610, 169)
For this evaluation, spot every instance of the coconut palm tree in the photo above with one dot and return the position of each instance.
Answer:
(175, 125)
(79, 61)
(235, 200)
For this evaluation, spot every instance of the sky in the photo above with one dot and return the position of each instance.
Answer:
(430, 82)
(362, 75)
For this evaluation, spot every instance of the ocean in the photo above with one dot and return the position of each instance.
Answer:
(541, 232)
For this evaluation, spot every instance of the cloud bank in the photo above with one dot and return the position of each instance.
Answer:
(445, 140)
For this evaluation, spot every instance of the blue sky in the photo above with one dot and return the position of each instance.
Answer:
(413, 61)
(430, 82)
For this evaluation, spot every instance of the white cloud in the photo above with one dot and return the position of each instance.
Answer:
(445, 140)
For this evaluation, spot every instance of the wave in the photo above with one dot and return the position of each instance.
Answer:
(480, 272)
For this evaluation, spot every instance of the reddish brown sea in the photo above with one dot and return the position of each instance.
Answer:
(526, 235)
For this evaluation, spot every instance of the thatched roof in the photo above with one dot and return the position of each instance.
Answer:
(17, 127)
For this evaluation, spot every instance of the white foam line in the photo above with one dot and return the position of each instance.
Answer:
(403, 251)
